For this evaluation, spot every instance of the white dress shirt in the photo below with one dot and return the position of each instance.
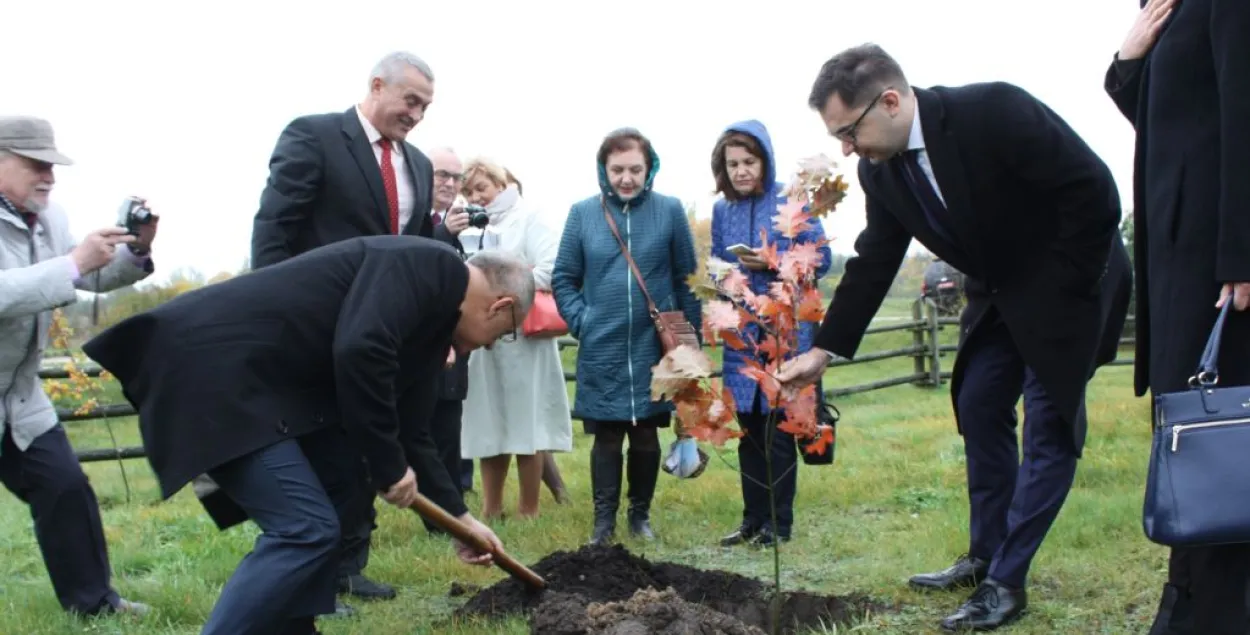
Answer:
(916, 142)
(403, 181)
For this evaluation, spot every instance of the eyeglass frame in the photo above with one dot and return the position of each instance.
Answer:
(849, 133)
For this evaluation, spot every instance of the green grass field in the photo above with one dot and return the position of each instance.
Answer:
(893, 504)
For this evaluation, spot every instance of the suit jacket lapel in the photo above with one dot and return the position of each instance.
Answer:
(942, 147)
(889, 186)
(419, 190)
(358, 144)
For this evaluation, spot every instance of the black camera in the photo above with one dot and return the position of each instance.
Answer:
(134, 213)
(477, 216)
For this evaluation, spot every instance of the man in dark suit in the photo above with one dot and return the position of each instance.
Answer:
(273, 384)
(342, 175)
(996, 184)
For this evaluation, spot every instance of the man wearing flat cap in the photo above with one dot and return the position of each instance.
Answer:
(41, 268)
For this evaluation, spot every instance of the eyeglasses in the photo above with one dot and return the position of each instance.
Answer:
(444, 175)
(848, 133)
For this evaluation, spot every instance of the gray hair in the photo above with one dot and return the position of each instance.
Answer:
(390, 68)
(856, 75)
(508, 273)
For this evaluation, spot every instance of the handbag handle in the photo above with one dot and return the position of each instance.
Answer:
(1208, 374)
(628, 258)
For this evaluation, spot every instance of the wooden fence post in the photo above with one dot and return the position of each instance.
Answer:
(918, 341)
(935, 342)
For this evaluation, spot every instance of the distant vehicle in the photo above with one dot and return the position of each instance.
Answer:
(944, 285)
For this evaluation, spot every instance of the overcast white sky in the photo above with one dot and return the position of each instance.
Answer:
(182, 102)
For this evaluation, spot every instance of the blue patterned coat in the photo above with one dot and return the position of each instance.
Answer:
(599, 298)
(743, 221)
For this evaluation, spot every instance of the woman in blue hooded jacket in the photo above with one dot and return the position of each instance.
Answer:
(598, 296)
(746, 177)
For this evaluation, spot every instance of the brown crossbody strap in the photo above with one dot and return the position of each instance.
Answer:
(628, 258)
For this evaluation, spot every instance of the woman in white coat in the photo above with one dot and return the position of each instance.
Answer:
(517, 402)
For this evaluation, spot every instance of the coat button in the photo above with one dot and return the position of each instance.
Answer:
(283, 427)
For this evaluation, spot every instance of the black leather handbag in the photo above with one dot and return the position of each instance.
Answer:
(1198, 484)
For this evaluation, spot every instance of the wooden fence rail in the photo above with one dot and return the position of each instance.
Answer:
(926, 351)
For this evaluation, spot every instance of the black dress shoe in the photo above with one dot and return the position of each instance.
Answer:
(766, 536)
(992, 605)
(966, 572)
(362, 587)
(743, 534)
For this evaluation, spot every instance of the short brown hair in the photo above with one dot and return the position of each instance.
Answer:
(623, 139)
(734, 139)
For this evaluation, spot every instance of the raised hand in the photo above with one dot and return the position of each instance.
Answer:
(1141, 37)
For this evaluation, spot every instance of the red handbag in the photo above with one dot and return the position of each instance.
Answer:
(544, 319)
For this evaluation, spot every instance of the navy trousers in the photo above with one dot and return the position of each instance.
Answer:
(753, 467)
(297, 491)
(48, 478)
(1013, 501)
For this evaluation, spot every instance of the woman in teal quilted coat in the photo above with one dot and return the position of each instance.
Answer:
(599, 297)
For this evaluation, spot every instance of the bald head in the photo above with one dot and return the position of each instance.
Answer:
(447, 176)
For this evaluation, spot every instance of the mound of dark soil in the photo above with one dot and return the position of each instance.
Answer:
(592, 591)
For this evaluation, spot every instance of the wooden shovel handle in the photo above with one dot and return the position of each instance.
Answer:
(452, 525)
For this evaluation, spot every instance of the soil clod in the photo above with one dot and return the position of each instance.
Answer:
(608, 591)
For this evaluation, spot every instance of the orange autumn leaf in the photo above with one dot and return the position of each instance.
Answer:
(811, 306)
(800, 262)
(677, 370)
(823, 440)
(769, 254)
(828, 194)
(734, 341)
(800, 412)
(768, 384)
(774, 347)
(791, 220)
(722, 315)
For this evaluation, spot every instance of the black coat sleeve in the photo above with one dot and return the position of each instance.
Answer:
(1123, 85)
(385, 306)
(1049, 157)
(1230, 44)
(296, 172)
(441, 233)
(879, 252)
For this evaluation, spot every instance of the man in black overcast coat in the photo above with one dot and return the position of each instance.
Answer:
(995, 183)
(275, 383)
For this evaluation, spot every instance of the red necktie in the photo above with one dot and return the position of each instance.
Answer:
(438, 218)
(388, 182)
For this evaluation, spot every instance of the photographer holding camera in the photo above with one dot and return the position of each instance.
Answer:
(41, 269)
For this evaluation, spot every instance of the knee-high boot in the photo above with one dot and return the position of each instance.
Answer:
(605, 481)
(642, 472)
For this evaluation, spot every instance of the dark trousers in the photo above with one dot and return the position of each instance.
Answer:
(753, 468)
(358, 524)
(1013, 502)
(445, 428)
(48, 478)
(297, 491)
(466, 475)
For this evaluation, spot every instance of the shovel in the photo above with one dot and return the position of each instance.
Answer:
(452, 525)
